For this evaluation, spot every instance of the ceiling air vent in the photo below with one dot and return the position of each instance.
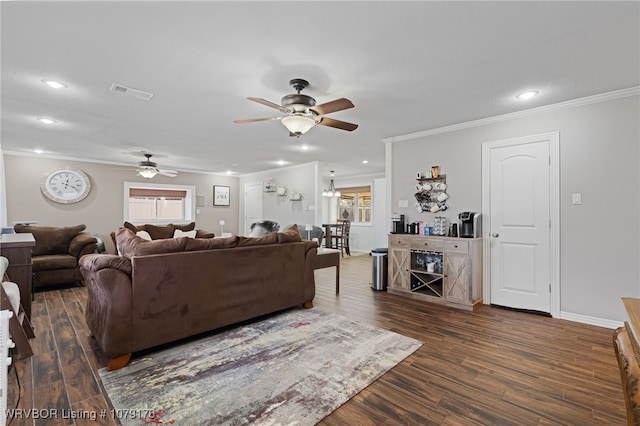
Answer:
(145, 96)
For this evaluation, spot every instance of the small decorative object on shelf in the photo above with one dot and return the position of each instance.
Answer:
(295, 196)
(269, 186)
(282, 190)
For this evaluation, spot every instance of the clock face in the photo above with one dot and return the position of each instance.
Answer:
(66, 186)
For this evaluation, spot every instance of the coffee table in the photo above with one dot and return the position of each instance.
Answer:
(326, 258)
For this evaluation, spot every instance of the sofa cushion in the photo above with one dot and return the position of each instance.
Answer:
(50, 239)
(266, 239)
(211, 243)
(49, 262)
(130, 245)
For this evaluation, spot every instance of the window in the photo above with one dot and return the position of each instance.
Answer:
(150, 203)
(355, 204)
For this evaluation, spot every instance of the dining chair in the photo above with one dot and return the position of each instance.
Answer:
(341, 238)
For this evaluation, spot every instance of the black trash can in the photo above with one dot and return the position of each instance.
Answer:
(379, 278)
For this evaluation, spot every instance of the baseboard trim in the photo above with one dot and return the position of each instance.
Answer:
(600, 322)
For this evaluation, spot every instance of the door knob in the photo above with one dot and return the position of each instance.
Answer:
(495, 235)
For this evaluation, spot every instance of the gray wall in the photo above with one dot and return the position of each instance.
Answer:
(314, 208)
(102, 210)
(302, 178)
(599, 158)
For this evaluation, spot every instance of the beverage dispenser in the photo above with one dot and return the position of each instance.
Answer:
(469, 225)
(397, 224)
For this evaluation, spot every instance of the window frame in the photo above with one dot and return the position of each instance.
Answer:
(356, 190)
(189, 201)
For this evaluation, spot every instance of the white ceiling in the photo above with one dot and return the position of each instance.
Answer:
(407, 67)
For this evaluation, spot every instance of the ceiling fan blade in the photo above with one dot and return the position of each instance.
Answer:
(270, 104)
(253, 120)
(338, 124)
(333, 106)
(169, 173)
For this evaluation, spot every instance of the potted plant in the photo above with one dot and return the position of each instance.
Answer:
(295, 196)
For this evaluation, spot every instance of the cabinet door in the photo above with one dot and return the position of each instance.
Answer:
(457, 281)
(399, 268)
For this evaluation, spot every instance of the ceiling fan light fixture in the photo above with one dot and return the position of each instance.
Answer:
(298, 124)
(147, 173)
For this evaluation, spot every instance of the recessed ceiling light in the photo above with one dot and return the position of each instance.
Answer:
(54, 84)
(365, 161)
(38, 151)
(229, 172)
(527, 95)
(304, 147)
(281, 162)
(46, 120)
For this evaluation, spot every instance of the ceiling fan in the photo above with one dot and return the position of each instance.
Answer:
(148, 169)
(302, 111)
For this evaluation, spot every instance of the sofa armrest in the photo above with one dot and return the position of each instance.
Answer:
(109, 306)
(81, 244)
(94, 262)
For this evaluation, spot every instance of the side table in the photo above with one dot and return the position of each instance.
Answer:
(17, 248)
(326, 258)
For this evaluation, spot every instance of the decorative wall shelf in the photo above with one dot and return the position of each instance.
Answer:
(431, 195)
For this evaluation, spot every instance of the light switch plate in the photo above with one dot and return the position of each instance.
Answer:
(576, 199)
(403, 203)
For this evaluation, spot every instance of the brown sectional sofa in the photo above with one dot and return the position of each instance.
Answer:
(163, 290)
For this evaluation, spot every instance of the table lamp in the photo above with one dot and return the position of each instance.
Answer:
(308, 227)
(221, 223)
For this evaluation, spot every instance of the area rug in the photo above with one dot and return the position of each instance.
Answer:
(293, 368)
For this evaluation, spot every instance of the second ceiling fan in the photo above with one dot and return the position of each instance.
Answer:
(303, 113)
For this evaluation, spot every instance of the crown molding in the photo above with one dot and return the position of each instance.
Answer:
(618, 94)
(131, 165)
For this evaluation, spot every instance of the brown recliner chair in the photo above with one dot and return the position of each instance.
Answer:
(56, 253)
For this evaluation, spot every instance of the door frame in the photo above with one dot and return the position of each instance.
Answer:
(554, 212)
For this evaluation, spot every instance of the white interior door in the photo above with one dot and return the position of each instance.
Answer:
(520, 211)
(252, 205)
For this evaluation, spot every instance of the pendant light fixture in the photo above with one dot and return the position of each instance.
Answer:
(331, 192)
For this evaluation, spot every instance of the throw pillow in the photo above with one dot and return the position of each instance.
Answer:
(133, 227)
(160, 232)
(131, 245)
(144, 234)
(182, 234)
(4, 264)
(50, 239)
(188, 227)
(201, 233)
(290, 235)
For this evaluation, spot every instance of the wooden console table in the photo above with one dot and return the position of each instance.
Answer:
(327, 258)
(17, 248)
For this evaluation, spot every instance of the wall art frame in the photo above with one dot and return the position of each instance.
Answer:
(221, 195)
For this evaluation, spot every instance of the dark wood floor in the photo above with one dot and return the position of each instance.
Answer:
(489, 367)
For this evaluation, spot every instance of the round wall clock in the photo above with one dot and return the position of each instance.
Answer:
(66, 185)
